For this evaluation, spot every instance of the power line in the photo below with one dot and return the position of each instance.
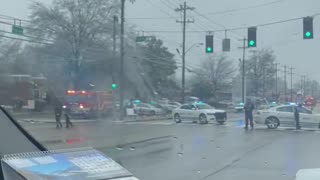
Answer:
(213, 22)
(152, 4)
(26, 27)
(13, 18)
(27, 40)
(214, 13)
(198, 24)
(27, 36)
(164, 2)
(236, 28)
(244, 8)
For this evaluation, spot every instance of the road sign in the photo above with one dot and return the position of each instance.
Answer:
(143, 38)
(17, 30)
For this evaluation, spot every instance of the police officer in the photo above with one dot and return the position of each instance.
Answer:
(248, 113)
(297, 116)
(58, 113)
(67, 116)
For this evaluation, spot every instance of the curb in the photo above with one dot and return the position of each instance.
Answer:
(145, 120)
(50, 121)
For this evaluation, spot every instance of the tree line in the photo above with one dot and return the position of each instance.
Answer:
(79, 54)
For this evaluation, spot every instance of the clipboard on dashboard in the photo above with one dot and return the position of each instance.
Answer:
(77, 164)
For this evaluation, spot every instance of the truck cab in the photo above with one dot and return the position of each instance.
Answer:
(87, 104)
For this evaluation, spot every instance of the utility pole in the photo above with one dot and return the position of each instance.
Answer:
(114, 49)
(291, 92)
(312, 88)
(285, 81)
(301, 84)
(264, 82)
(307, 86)
(276, 85)
(243, 68)
(115, 21)
(304, 86)
(122, 76)
(183, 8)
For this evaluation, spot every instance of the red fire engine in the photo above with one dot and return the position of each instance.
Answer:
(310, 101)
(88, 104)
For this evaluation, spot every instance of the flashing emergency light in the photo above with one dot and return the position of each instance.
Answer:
(71, 91)
(199, 103)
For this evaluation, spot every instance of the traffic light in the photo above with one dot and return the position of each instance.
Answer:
(252, 37)
(307, 28)
(226, 45)
(113, 86)
(209, 43)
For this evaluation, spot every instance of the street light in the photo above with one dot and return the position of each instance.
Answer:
(192, 46)
(184, 66)
(196, 44)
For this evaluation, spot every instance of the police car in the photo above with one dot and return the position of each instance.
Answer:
(199, 112)
(284, 116)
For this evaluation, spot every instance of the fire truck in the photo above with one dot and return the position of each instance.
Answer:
(88, 104)
(310, 102)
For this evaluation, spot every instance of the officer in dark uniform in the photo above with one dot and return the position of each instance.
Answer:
(67, 116)
(297, 116)
(58, 113)
(248, 113)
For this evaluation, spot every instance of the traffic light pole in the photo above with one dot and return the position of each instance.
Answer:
(184, 9)
(184, 51)
(243, 69)
(122, 76)
(291, 92)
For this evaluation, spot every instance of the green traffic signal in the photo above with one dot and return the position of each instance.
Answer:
(209, 49)
(113, 86)
(251, 43)
(308, 34)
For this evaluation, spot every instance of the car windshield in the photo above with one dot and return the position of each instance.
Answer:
(76, 99)
(168, 89)
(204, 106)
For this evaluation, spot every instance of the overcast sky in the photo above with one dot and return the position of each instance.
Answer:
(285, 39)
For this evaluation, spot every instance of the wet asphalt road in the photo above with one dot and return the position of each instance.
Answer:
(161, 150)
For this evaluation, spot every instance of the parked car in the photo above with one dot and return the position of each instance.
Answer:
(199, 112)
(239, 107)
(170, 106)
(147, 109)
(284, 116)
(191, 99)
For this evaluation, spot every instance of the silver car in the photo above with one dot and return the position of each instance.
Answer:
(200, 112)
(284, 116)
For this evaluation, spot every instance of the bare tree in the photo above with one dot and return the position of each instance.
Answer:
(215, 75)
(76, 27)
(9, 50)
(260, 72)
